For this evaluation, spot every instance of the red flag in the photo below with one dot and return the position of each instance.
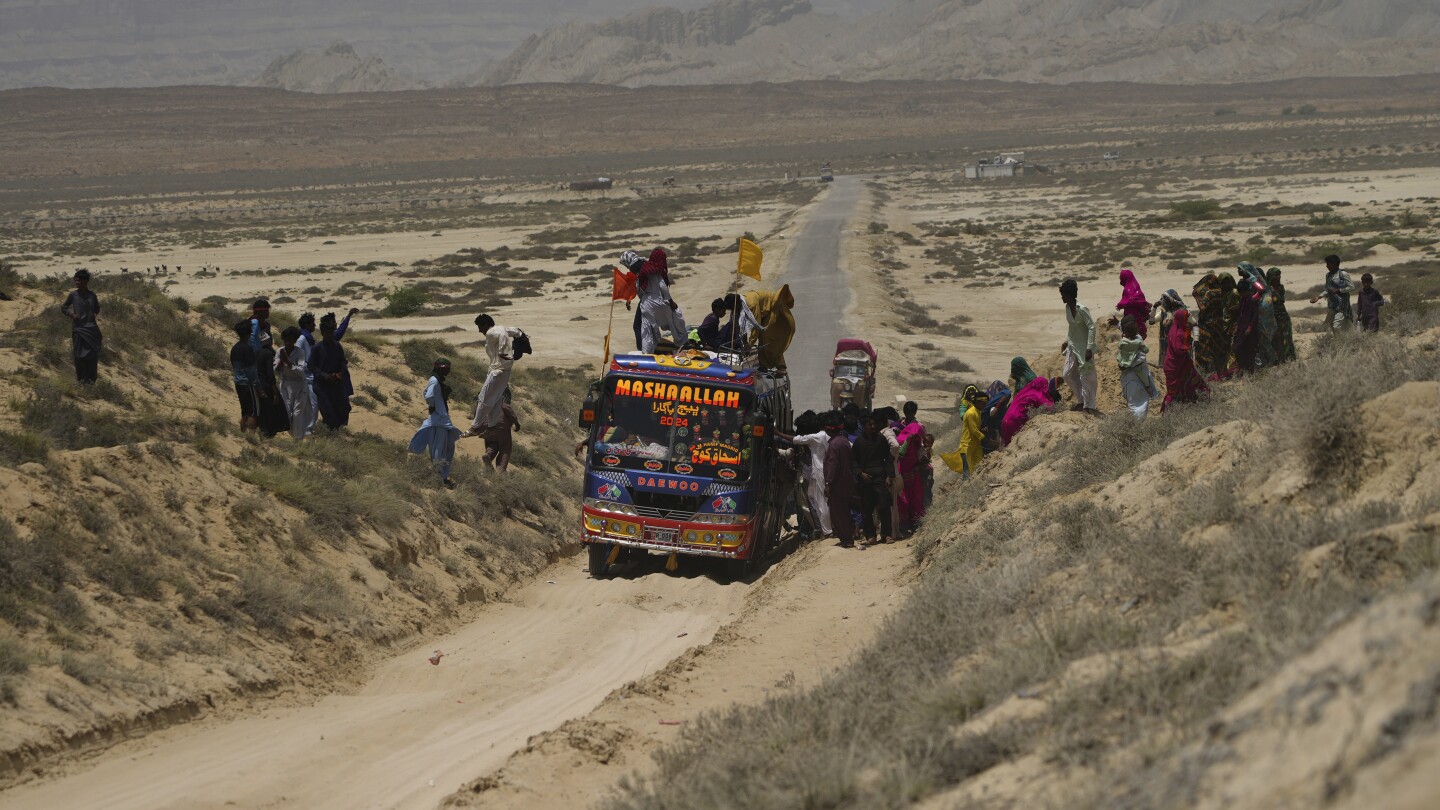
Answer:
(624, 288)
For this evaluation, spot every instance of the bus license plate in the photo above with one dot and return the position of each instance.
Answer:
(661, 535)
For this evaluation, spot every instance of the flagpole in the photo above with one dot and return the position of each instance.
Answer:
(735, 313)
(609, 330)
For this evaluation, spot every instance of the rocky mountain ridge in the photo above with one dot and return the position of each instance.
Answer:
(337, 69)
(1020, 40)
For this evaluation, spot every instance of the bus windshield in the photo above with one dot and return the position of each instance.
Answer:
(684, 428)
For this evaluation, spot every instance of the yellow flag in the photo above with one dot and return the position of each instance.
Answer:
(750, 258)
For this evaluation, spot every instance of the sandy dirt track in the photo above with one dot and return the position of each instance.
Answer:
(552, 653)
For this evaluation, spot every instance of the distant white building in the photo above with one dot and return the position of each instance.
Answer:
(1005, 164)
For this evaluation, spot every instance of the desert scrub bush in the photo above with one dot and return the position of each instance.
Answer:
(14, 657)
(403, 301)
(20, 447)
(915, 315)
(370, 482)
(1190, 210)
(954, 365)
(467, 373)
(274, 599)
(365, 340)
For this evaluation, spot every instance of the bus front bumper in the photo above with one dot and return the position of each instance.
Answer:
(728, 542)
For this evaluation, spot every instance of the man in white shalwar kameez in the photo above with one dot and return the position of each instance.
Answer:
(292, 372)
(817, 443)
(657, 309)
(500, 349)
(1079, 348)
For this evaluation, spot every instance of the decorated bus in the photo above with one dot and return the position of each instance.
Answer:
(679, 460)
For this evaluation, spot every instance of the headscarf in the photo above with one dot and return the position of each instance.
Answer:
(631, 260)
(1272, 277)
(1133, 297)
(1172, 301)
(1207, 285)
(656, 265)
(1021, 371)
(1179, 338)
(1253, 273)
(1035, 394)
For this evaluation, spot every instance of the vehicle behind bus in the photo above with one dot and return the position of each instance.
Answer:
(679, 460)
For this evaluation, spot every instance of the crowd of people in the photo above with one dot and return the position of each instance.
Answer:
(306, 382)
(303, 383)
(878, 462)
(1239, 326)
(866, 476)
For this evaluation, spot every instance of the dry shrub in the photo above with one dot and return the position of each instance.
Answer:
(275, 600)
(20, 447)
(14, 657)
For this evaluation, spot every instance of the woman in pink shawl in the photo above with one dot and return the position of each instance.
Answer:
(1183, 382)
(1133, 302)
(1033, 396)
(912, 462)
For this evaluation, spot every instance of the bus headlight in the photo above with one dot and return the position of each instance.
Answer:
(720, 520)
(610, 506)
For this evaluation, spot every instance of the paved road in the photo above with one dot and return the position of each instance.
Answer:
(821, 294)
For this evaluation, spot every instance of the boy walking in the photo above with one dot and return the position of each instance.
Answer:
(499, 442)
(1338, 287)
(1368, 302)
(436, 436)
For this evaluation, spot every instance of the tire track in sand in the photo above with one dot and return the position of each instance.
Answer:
(415, 731)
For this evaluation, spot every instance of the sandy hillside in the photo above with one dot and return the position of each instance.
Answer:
(1216, 608)
(157, 566)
